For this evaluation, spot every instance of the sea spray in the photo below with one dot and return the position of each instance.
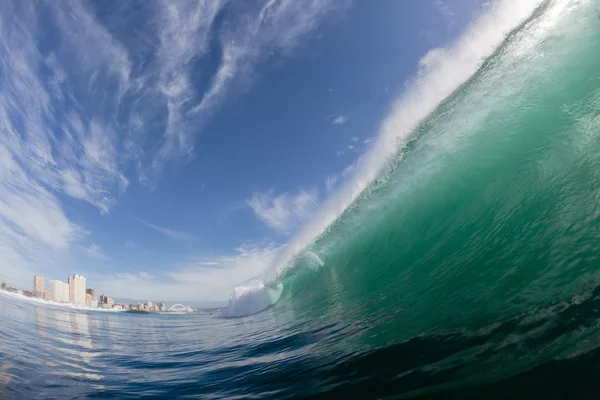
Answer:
(248, 300)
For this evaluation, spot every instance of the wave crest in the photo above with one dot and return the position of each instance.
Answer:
(252, 299)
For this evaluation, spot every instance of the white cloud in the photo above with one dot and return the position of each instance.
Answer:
(51, 144)
(33, 226)
(349, 169)
(247, 36)
(444, 9)
(78, 113)
(276, 28)
(208, 280)
(207, 263)
(340, 120)
(168, 232)
(330, 182)
(94, 251)
(284, 212)
(354, 139)
(184, 29)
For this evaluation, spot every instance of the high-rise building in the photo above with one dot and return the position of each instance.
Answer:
(59, 291)
(94, 302)
(77, 290)
(88, 299)
(38, 286)
(71, 289)
(90, 291)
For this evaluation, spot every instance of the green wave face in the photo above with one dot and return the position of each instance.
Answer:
(490, 212)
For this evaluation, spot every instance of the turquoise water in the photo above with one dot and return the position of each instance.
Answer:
(468, 267)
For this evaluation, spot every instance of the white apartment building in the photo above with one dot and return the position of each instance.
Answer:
(38, 286)
(77, 290)
(59, 291)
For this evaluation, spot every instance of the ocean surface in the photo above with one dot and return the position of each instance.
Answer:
(461, 260)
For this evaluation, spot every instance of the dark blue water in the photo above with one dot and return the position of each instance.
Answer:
(54, 352)
(60, 353)
(57, 352)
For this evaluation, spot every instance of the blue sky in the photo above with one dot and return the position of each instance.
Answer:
(170, 149)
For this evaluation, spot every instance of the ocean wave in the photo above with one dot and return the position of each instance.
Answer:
(252, 299)
(441, 72)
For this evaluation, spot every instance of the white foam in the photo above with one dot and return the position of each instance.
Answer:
(251, 299)
(441, 72)
(312, 260)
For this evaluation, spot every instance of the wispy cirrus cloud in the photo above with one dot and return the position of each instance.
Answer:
(274, 27)
(444, 9)
(42, 156)
(94, 251)
(330, 182)
(286, 211)
(246, 36)
(95, 100)
(172, 233)
(340, 120)
(208, 263)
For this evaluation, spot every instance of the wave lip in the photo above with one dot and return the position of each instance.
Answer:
(252, 299)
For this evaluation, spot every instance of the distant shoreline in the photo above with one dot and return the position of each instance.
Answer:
(20, 296)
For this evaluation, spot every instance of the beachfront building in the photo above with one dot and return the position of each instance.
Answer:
(59, 292)
(38, 286)
(77, 290)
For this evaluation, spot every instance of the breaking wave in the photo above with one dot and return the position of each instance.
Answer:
(442, 71)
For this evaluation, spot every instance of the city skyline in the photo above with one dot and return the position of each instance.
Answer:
(75, 292)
